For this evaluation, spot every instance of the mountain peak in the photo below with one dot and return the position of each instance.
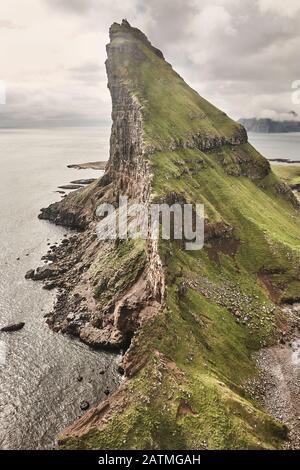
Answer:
(174, 114)
(126, 32)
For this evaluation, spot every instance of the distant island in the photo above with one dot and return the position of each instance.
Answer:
(269, 125)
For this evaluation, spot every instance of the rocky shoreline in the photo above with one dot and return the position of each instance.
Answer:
(278, 383)
(66, 269)
(64, 265)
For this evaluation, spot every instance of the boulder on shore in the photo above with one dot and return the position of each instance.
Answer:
(29, 274)
(84, 405)
(13, 327)
(84, 181)
(44, 272)
(70, 186)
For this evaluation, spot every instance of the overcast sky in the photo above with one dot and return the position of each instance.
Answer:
(242, 55)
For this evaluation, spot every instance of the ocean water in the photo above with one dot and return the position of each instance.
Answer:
(39, 390)
(285, 145)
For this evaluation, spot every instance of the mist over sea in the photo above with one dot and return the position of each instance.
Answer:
(39, 389)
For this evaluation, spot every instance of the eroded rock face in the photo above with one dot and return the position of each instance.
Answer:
(205, 142)
(80, 309)
(127, 167)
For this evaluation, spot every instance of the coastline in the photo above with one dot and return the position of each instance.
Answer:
(39, 390)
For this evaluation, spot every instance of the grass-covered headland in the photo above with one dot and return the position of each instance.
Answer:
(187, 364)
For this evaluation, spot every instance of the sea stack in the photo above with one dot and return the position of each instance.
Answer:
(188, 322)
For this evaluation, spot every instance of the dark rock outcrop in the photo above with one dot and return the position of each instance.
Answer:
(60, 215)
(13, 327)
(84, 181)
(29, 274)
(84, 405)
(70, 186)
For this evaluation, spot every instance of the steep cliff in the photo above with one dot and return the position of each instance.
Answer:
(189, 321)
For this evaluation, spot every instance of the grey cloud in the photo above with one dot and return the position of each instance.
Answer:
(236, 54)
(170, 20)
(87, 67)
(72, 6)
(28, 107)
(252, 57)
(89, 73)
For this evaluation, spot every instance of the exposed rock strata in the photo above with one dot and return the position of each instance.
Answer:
(13, 327)
(204, 142)
(127, 173)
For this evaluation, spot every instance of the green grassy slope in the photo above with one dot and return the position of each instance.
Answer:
(289, 173)
(196, 354)
(171, 109)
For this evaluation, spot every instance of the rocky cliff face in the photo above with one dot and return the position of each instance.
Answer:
(188, 321)
(110, 322)
(127, 168)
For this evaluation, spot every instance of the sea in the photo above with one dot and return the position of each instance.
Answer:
(272, 146)
(40, 393)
